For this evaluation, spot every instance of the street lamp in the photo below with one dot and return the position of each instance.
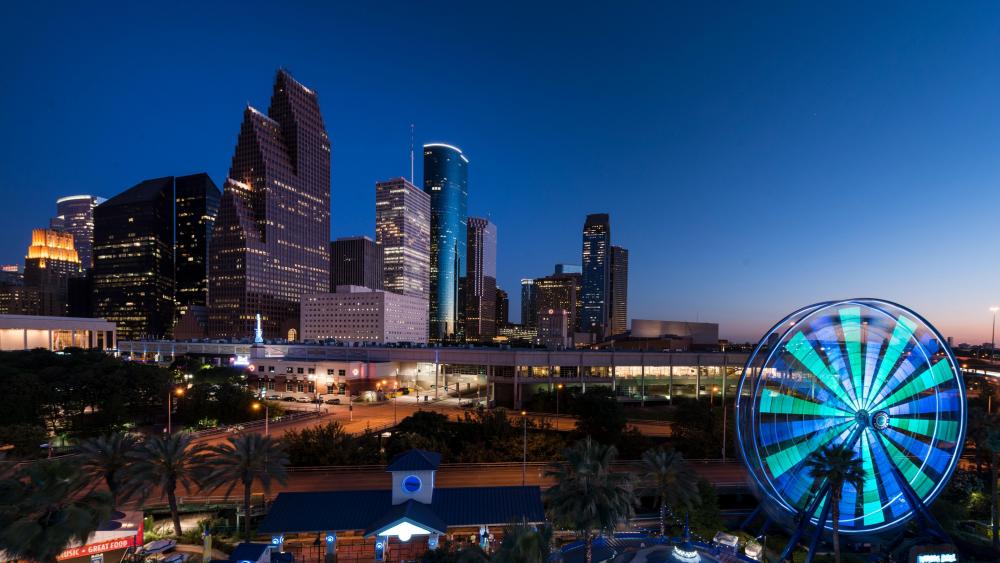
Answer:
(256, 407)
(558, 389)
(179, 391)
(524, 453)
(993, 338)
(711, 395)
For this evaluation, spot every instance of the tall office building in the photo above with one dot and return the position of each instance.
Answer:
(356, 261)
(403, 230)
(75, 215)
(446, 180)
(196, 204)
(557, 293)
(271, 240)
(133, 275)
(618, 319)
(529, 303)
(503, 309)
(48, 266)
(595, 300)
(480, 293)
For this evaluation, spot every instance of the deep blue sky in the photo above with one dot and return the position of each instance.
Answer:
(754, 157)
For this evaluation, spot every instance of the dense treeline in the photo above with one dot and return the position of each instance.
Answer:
(79, 393)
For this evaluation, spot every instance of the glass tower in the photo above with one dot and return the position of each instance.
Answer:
(271, 240)
(529, 303)
(595, 300)
(403, 230)
(134, 260)
(618, 315)
(446, 180)
(75, 215)
(196, 204)
(481, 282)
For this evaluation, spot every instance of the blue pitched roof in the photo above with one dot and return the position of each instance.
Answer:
(248, 551)
(365, 510)
(415, 460)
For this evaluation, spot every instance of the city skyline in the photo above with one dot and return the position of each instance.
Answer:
(706, 174)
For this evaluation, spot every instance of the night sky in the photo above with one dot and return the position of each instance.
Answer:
(754, 157)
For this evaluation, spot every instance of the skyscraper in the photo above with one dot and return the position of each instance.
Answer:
(133, 275)
(596, 274)
(403, 229)
(446, 180)
(557, 293)
(196, 204)
(618, 320)
(75, 215)
(48, 266)
(481, 281)
(271, 240)
(529, 303)
(568, 269)
(355, 261)
(503, 309)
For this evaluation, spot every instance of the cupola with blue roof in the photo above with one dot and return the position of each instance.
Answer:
(413, 476)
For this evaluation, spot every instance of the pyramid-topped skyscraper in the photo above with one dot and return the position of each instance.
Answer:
(270, 242)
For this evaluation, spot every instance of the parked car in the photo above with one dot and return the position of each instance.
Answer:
(290, 399)
(274, 397)
(317, 401)
(303, 400)
(333, 401)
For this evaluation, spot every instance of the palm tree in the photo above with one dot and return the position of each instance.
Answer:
(106, 458)
(671, 480)
(523, 543)
(243, 460)
(165, 462)
(837, 464)
(587, 495)
(43, 508)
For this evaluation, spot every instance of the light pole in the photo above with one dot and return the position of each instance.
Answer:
(179, 391)
(395, 394)
(558, 389)
(524, 453)
(993, 338)
(256, 407)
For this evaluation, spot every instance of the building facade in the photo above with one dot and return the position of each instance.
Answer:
(196, 203)
(596, 274)
(618, 312)
(133, 274)
(271, 240)
(529, 303)
(403, 230)
(557, 293)
(356, 261)
(555, 329)
(359, 315)
(24, 332)
(503, 309)
(75, 215)
(446, 180)
(481, 281)
(48, 266)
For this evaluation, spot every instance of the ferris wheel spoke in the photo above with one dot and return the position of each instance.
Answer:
(802, 350)
(793, 455)
(871, 496)
(901, 335)
(943, 402)
(850, 324)
(929, 455)
(945, 430)
(775, 402)
(777, 434)
(917, 479)
(899, 377)
(929, 378)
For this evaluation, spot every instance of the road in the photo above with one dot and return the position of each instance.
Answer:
(366, 416)
(723, 475)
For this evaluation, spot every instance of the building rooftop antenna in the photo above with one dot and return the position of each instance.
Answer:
(411, 154)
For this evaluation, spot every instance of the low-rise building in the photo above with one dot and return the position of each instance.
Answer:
(26, 332)
(359, 315)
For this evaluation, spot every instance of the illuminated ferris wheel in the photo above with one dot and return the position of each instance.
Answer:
(863, 372)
